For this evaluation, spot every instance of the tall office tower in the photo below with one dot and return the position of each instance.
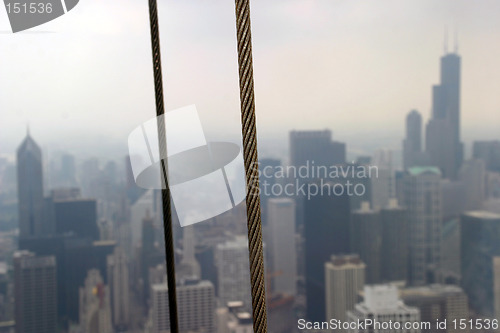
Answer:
(395, 247)
(344, 279)
(119, 288)
(282, 247)
(479, 245)
(30, 188)
(311, 150)
(231, 259)
(422, 194)
(473, 176)
(150, 254)
(308, 147)
(267, 179)
(412, 144)
(195, 302)
(95, 308)
(382, 304)
(326, 232)
(366, 240)
(383, 184)
(442, 142)
(489, 152)
(438, 302)
(35, 293)
(189, 266)
(78, 216)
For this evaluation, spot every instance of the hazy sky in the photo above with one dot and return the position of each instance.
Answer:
(84, 81)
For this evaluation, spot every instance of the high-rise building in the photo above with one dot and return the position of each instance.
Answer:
(281, 246)
(422, 195)
(438, 302)
(119, 288)
(30, 188)
(95, 308)
(382, 305)
(326, 232)
(344, 279)
(35, 292)
(231, 259)
(366, 240)
(308, 147)
(473, 176)
(150, 255)
(196, 307)
(383, 186)
(267, 179)
(395, 247)
(78, 216)
(479, 245)
(443, 143)
(489, 152)
(189, 266)
(412, 144)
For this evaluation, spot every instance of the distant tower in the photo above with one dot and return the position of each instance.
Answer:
(30, 188)
(366, 240)
(95, 309)
(326, 232)
(412, 144)
(443, 144)
(35, 292)
(344, 279)
(231, 259)
(282, 247)
(422, 186)
(118, 279)
(189, 266)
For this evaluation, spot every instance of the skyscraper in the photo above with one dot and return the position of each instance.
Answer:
(326, 232)
(422, 194)
(35, 292)
(479, 245)
(282, 247)
(231, 259)
(95, 308)
(344, 279)
(395, 247)
(119, 288)
(366, 240)
(412, 144)
(196, 305)
(30, 188)
(443, 143)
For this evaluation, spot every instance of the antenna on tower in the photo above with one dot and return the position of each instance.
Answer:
(445, 43)
(456, 40)
(28, 128)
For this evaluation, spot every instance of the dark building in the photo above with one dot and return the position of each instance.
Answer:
(35, 292)
(395, 242)
(489, 152)
(77, 216)
(479, 245)
(315, 146)
(75, 257)
(366, 240)
(326, 232)
(443, 143)
(30, 188)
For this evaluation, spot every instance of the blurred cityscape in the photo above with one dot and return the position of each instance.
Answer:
(82, 247)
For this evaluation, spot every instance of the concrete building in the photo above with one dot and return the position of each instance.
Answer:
(35, 293)
(118, 280)
(344, 279)
(95, 307)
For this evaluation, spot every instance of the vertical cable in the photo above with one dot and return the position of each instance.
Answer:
(165, 192)
(249, 132)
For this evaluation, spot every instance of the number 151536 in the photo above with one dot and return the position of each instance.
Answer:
(29, 8)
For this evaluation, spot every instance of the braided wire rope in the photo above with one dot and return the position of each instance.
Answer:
(249, 132)
(165, 192)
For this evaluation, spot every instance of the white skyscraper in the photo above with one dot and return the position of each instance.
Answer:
(118, 279)
(344, 279)
(387, 311)
(231, 259)
(196, 307)
(95, 308)
(282, 249)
